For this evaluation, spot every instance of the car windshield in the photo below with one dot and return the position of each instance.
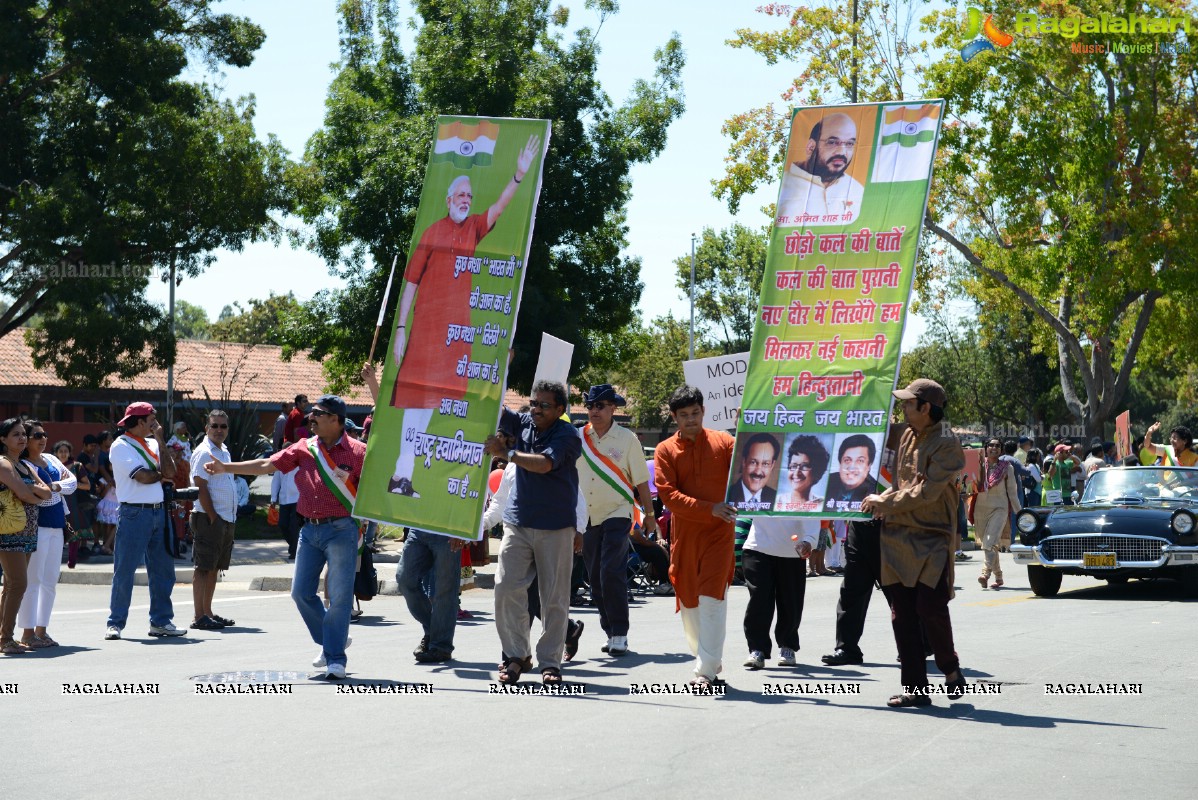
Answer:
(1140, 484)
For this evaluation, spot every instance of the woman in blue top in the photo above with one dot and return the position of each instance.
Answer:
(46, 561)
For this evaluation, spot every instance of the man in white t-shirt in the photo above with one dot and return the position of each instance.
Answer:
(139, 470)
(213, 519)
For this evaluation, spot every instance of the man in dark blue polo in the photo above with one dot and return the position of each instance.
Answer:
(539, 536)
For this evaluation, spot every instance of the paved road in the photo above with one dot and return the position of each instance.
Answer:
(460, 740)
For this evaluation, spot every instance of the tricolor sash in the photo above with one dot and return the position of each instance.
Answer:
(344, 490)
(611, 474)
(142, 448)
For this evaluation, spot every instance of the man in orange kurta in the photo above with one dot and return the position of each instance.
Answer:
(691, 472)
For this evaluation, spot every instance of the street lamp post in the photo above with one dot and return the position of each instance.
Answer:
(692, 328)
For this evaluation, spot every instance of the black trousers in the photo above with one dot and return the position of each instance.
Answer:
(289, 526)
(862, 569)
(919, 614)
(775, 584)
(605, 551)
(655, 556)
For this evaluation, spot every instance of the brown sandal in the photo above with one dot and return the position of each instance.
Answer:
(551, 676)
(36, 643)
(512, 668)
(13, 648)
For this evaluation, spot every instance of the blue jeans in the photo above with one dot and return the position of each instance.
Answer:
(334, 543)
(138, 540)
(427, 555)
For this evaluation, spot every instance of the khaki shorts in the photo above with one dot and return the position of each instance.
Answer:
(212, 543)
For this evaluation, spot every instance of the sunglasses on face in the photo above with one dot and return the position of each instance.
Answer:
(222, 426)
(543, 405)
(38, 435)
(600, 405)
(318, 413)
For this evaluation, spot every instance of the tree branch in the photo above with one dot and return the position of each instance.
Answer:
(14, 317)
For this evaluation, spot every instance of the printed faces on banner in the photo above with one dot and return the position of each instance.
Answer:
(804, 472)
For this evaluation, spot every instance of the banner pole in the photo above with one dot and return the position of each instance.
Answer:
(378, 326)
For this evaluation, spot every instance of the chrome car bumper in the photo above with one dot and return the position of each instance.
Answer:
(1132, 552)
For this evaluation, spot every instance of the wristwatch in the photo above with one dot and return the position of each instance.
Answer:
(511, 454)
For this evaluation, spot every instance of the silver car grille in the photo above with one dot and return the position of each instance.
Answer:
(1125, 548)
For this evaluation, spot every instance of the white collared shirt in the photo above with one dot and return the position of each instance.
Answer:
(220, 487)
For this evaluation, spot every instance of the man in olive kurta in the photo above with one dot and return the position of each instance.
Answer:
(691, 473)
(919, 521)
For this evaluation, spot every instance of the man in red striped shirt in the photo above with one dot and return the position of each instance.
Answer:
(328, 465)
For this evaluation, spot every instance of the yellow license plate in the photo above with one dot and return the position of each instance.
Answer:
(1098, 560)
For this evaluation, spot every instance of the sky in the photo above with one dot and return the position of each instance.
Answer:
(671, 197)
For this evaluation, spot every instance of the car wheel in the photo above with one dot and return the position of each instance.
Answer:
(1045, 582)
(1189, 581)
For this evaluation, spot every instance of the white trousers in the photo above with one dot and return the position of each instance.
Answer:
(705, 627)
(44, 565)
(415, 421)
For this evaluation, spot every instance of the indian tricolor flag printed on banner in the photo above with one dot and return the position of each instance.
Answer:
(906, 143)
(466, 145)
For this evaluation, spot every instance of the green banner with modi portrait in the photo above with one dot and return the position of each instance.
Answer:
(826, 343)
(445, 375)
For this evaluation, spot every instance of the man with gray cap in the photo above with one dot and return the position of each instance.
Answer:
(919, 522)
(328, 466)
(612, 475)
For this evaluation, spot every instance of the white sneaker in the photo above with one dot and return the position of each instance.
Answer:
(617, 645)
(169, 629)
(786, 657)
(335, 671)
(112, 633)
(319, 661)
(756, 660)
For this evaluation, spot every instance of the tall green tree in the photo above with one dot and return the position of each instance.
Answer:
(652, 375)
(361, 180)
(1064, 183)
(264, 322)
(191, 321)
(729, 266)
(113, 169)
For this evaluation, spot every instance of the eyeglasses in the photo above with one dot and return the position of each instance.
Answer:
(316, 412)
(39, 435)
(600, 405)
(543, 405)
(835, 144)
(220, 427)
(993, 445)
(804, 468)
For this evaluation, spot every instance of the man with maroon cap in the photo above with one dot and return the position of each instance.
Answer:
(919, 522)
(139, 468)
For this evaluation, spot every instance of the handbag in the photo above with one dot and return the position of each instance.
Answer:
(272, 515)
(12, 514)
(969, 504)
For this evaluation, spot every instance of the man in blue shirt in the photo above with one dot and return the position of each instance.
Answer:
(539, 536)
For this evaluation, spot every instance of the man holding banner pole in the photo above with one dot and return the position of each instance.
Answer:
(611, 473)
(436, 295)
(328, 466)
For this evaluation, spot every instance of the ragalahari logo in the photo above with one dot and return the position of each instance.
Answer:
(990, 35)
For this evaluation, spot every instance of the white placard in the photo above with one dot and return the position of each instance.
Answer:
(554, 361)
(722, 381)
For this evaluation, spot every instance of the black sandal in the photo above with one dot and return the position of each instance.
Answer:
(909, 701)
(572, 638)
(512, 668)
(956, 688)
(551, 676)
